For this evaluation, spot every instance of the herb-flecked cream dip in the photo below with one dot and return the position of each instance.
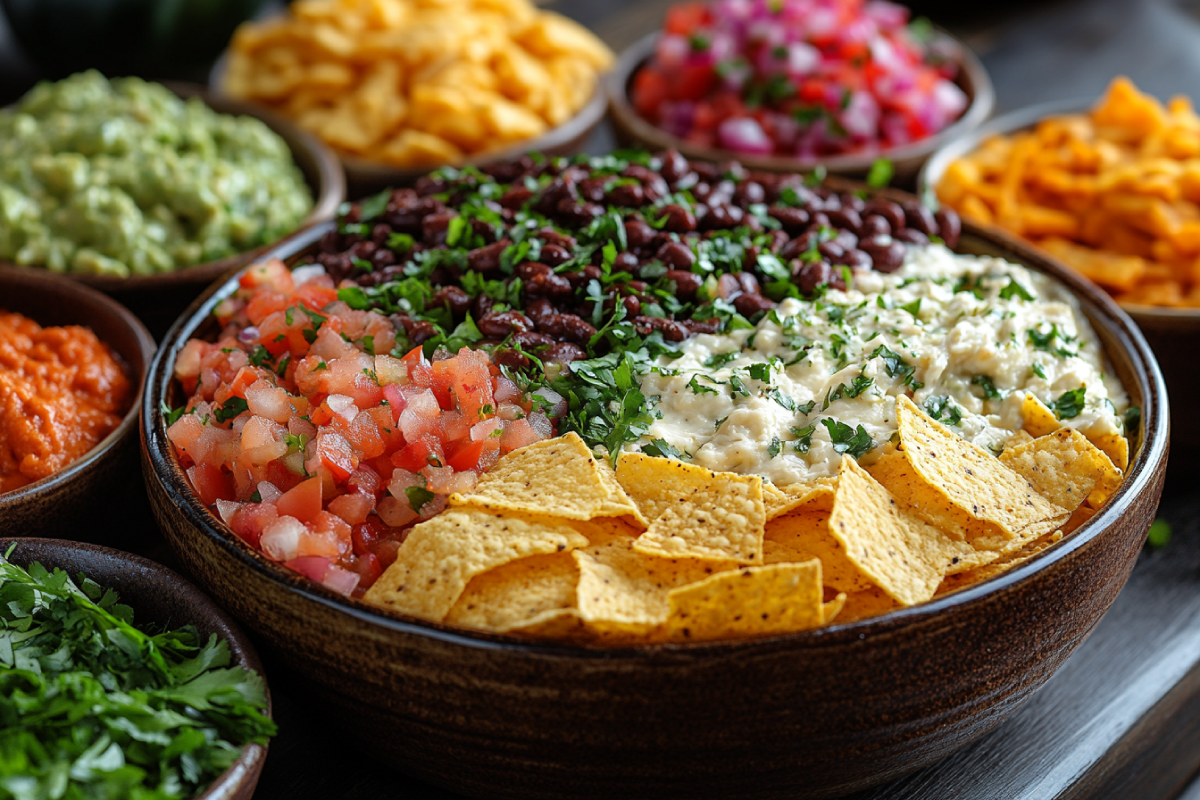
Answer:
(966, 337)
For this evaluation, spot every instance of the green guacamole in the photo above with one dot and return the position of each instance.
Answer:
(123, 178)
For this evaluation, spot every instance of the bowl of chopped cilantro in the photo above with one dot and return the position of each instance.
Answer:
(120, 679)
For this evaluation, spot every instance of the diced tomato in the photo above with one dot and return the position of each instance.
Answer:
(271, 273)
(419, 454)
(211, 483)
(518, 433)
(650, 90)
(249, 522)
(396, 400)
(353, 507)
(302, 501)
(473, 454)
(368, 567)
(279, 475)
(367, 534)
(315, 295)
(685, 18)
(336, 454)
(420, 371)
(693, 82)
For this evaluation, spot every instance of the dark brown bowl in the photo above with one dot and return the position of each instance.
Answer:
(1173, 333)
(159, 597)
(70, 501)
(634, 130)
(159, 299)
(366, 177)
(813, 714)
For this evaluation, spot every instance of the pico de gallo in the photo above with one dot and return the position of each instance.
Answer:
(798, 78)
(320, 444)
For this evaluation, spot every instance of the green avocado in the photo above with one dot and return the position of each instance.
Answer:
(124, 178)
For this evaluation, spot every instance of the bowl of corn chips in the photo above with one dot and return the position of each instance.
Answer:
(1111, 189)
(397, 87)
(820, 712)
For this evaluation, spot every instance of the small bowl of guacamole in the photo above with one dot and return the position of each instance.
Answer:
(150, 192)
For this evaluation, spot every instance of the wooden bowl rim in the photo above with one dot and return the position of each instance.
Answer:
(983, 101)
(328, 194)
(1149, 460)
(1013, 122)
(362, 171)
(75, 292)
(252, 756)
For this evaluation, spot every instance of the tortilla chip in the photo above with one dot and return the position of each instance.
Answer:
(803, 535)
(870, 603)
(1078, 517)
(555, 477)
(1019, 438)
(752, 601)
(974, 482)
(622, 590)
(897, 551)
(783, 500)
(831, 609)
(608, 477)
(1065, 468)
(441, 556)
(693, 512)
(517, 594)
(1116, 447)
(562, 624)
(1039, 420)
(971, 577)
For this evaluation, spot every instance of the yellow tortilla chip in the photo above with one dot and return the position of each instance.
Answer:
(783, 500)
(517, 594)
(830, 610)
(1065, 468)
(1039, 420)
(608, 477)
(803, 535)
(441, 556)
(561, 624)
(752, 601)
(1078, 517)
(1116, 447)
(974, 481)
(971, 577)
(693, 512)
(901, 554)
(622, 590)
(869, 603)
(556, 477)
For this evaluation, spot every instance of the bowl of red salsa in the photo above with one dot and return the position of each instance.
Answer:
(795, 85)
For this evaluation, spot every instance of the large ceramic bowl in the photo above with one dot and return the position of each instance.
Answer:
(159, 299)
(813, 714)
(76, 500)
(1173, 333)
(633, 129)
(158, 597)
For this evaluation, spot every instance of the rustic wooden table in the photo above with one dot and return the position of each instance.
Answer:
(1122, 718)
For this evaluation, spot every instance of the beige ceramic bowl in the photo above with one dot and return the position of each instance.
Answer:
(633, 129)
(814, 714)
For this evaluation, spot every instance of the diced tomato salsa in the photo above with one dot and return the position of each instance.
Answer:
(319, 444)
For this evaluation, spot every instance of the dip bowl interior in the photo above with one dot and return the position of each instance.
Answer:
(72, 501)
(634, 130)
(1173, 333)
(158, 299)
(814, 714)
(161, 598)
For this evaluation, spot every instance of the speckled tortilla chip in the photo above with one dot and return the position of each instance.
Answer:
(751, 601)
(803, 535)
(1065, 468)
(441, 556)
(973, 480)
(1116, 447)
(562, 624)
(1039, 420)
(556, 477)
(780, 500)
(518, 594)
(869, 603)
(896, 550)
(622, 590)
(974, 576)
(693, 512)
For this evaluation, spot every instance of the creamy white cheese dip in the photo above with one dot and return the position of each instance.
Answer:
(966, 337)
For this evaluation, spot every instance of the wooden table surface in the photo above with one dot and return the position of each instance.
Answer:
(1122, 718)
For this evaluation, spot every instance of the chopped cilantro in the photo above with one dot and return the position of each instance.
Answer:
(718, 360)
(1038, 369)
(782, 399)
(990, 392)
(1071, 403)
(662, 449)
(1015, 289)
(774, 447)
(696, 387)
(1133, 416)
(418, 496)
(913, 308)
(230, 409)
(803, 437)
(260, 355)
(846, 440)
(171, 415)
(943, 409)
